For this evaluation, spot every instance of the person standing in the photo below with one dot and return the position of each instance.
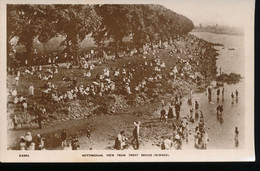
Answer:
(218, 107)
(38, 142)
(221, 109)
(236, 137)
(136, 132)
(170, 112)
(209, 94)
(218, 93)
(232, 96)
(63, 138)
(177, 111)
(196, 105)
(201, 116)
(205, 140)
(39, 119)
(186, 132)
(88, 134)
(163, 113)
(191, 115)
(15, 123)
(236, 96)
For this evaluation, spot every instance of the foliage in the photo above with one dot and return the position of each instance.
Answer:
(145, 24)
(231, 78)
(75, 22)
(29, 22)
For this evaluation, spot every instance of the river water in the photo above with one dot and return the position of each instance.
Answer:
(222, 135)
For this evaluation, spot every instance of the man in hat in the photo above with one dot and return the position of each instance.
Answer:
(136, 132)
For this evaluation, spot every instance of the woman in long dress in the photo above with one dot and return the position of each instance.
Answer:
(170, 112)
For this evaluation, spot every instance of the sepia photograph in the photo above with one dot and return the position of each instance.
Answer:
(128, 81)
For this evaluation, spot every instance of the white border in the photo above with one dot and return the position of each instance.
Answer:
(246, 154)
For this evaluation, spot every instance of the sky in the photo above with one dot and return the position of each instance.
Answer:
(211, 12)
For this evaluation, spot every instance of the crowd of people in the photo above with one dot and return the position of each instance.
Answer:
(132, 77)
(181, 125)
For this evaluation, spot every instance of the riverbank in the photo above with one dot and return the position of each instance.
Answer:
(147, 111)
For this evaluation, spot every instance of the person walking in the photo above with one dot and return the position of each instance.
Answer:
(136, 132)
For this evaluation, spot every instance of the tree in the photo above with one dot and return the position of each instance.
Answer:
(75, 22)
(150, 23)
(27, 23)
(115, 24)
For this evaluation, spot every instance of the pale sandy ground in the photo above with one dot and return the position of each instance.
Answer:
(105, 128)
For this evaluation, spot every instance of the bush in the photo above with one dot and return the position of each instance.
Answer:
(231, 78)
